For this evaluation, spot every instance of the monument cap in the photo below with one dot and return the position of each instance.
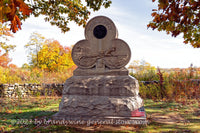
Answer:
(101, 49)
(100, 27)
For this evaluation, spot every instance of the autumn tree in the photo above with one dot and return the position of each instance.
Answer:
(48, 54)
(33, 46)
(57, 12)
(4, 36)
(54, 57)
(142, 70)
(4, 59)
(5, 48)
(176, 17)
(141, 66)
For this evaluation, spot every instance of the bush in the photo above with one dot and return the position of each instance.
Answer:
(172, 85)
(22, 76)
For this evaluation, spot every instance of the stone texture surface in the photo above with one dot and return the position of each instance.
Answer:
(96, 71)
(25, 90)
(101, 86)
(97, 106)
(99, 97)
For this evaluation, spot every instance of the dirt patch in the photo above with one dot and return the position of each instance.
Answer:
(170, 118)
(106, 128)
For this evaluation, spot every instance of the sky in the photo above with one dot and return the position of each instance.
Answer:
(131, 18)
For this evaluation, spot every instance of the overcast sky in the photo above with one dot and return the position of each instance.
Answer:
(131, 19)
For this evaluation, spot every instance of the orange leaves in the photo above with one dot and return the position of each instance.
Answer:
(4, 60)
(23, 7)
(176, 17)
(153, 14)
(152, 25)
(10, 8)
(13, 66)
(4, 48)
(9, 111)
(15, 24)
(156, 16)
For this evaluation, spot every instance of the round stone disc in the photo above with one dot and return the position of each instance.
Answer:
(81, 55)
(119, 56)
(100, 27)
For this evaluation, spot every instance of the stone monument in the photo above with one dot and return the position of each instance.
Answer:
(100, 87)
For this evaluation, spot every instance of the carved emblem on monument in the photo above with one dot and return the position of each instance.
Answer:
(101, 48)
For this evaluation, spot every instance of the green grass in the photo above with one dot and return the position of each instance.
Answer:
(189, 114)
(20, 115)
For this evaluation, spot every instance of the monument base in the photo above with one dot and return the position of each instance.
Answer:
(101, 98)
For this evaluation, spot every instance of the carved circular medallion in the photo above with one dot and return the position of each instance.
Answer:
(81, 55)
(119, 56)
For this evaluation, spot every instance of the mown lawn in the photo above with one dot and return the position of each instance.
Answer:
(25, 115)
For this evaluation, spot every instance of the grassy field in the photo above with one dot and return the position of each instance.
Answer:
(24, 115)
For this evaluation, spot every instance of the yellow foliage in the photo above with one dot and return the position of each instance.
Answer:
(54, 57)
(141, 66)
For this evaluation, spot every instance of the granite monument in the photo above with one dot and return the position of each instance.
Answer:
(101, 87)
